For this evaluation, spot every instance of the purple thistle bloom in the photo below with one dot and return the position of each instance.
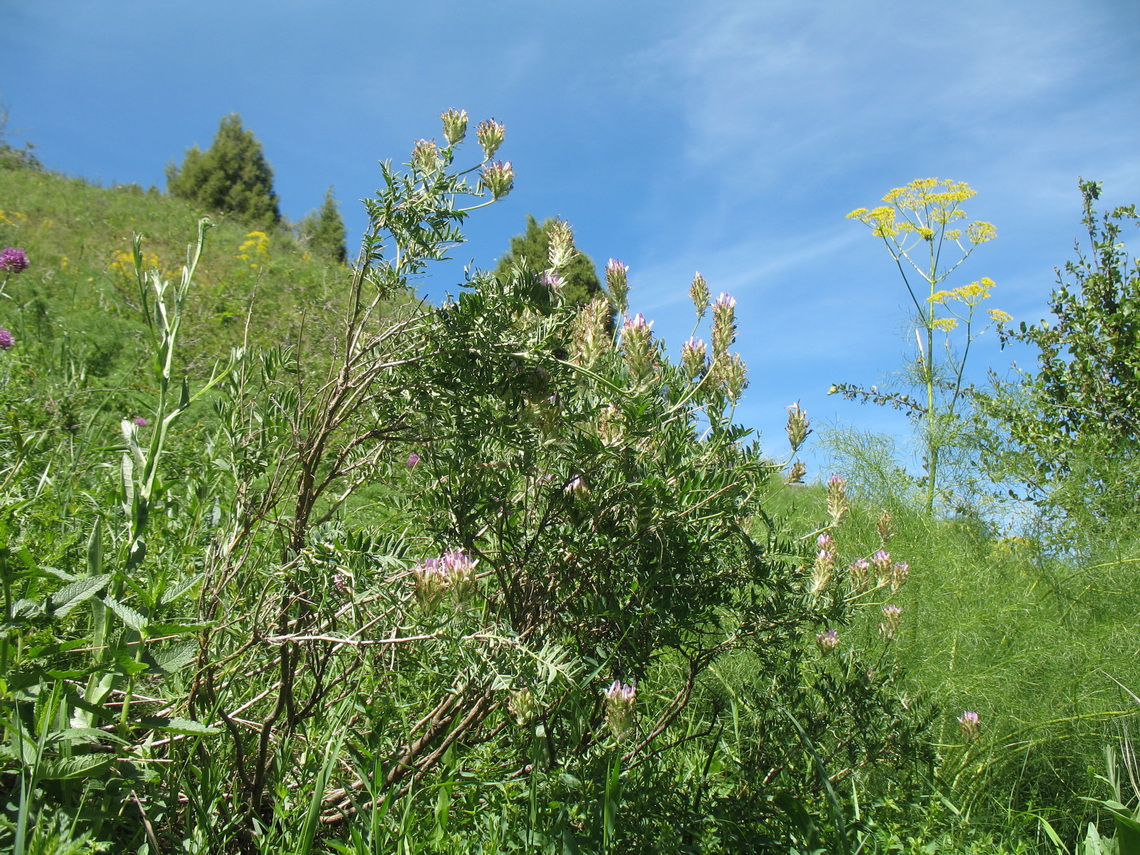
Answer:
(413, 460)
(13, 260)
(6, 340)
(141, 422)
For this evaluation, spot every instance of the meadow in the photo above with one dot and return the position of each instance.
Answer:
(294, 561)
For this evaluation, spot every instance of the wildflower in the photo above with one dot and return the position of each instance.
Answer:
(694, 358)
(499, 178)
(561, 250)
(837, 504)
(827, 641)
(824, 568)
(453, 571)
(724, 324)
(13, 260)
(620, 700)
(892, 618)
(637, 346)
(617, 281)
(999, 316)
(797, 473)
(699, 292)
(425, 156)
(413, 460)
(899, 573)
(576, 486)
(490, 135)
(971, 725)
(859, 571)
(886, 526)
(881, 561)
(141, 422)
(589, 333)
(6, 340)
(454, 126)
(798, 426)
(522, 706)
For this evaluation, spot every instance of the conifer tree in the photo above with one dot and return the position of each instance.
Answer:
(230, 177)
(531, 249)
(322, 232)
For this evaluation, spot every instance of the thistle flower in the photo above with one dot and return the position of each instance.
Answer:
(413, 460)
(892, 618)
(971, 725)
(498, 178)
(699, 292)
(13, 260)
(454, 126)
(827, 641)
(490, 135)
(617, 281)
(6, 340)
(798, 426)
(620, 700)
(141, 422)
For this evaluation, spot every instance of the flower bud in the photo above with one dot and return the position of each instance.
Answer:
(859, 572)
(824, 567)
(637, 346)
(454, 126)
(620, 700)
(589, 336)
(694, 358)
(499, 178)
(490, 135)
(881, 562)
(798, 426)
(796, 473)
(699, 292)
(827, 641)
(617, 282)
(886, 526)
(837, 504)
(561, 251)
(522, 706)
(892, 618)
(899, 573)
(724, 325)
(426, 157)
(971, 725)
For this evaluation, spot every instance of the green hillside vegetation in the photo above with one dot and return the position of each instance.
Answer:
(294, 562)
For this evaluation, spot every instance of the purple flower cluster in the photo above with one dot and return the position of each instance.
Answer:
(13, 260)
(6, 340)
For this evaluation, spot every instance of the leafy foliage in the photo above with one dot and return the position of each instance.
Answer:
(530, 251)
(1072, 424)
(231, 177)
(323, 232)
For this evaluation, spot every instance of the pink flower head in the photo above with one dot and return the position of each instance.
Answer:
(13, 260)
(827, 641)
(6, 340)
(413, 460)
(141, 422)
(971, 724)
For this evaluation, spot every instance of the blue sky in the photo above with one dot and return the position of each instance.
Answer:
(730, 137)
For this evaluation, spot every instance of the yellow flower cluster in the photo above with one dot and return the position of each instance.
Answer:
(254, 249)
(12, 218)
(123, 262)
(927, 206)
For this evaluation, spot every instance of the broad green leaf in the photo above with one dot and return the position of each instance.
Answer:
(179, 725)
(84, 766)
(126, 614)
(176, 591)
(69, 596)
(171, 659)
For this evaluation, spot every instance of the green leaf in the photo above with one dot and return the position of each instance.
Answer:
(179, 725)
(171, 659)
(177, 591)
(126, 614)
(69, 596)
(95, 549)
(69, 768)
